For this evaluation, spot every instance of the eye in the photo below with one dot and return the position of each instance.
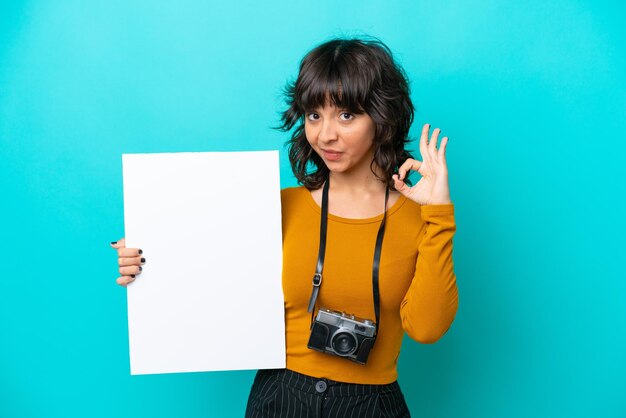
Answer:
(350, 116)
(312, 116)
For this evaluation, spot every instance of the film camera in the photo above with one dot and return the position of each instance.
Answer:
(342, 334)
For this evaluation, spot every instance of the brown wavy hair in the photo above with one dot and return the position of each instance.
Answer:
(359, 75)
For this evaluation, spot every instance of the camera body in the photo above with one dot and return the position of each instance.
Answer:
(342, 334)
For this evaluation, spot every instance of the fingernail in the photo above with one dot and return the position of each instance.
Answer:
(113, 242)
(140, 252)
(140, 268)
(132, 275)
(143, 260)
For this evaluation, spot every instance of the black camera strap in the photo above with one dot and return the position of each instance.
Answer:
(317, 278)
(376, 265)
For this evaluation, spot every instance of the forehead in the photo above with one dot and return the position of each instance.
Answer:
(331, 101)
(330, 88)
(328, 104)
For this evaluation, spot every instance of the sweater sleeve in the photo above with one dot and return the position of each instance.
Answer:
(431, 302)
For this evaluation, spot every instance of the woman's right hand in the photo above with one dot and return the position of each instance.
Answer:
(129, 260)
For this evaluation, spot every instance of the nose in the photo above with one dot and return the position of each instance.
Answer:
(328, 131)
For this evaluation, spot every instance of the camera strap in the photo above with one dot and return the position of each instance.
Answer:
(317, 278)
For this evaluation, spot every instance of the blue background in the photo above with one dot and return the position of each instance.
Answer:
(532, 95)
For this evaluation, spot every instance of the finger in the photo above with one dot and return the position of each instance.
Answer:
(131, 261)
(409, 164)
(400, 185)
(432, 145)
(121, 243)
(129, 252)
(442, 149)
(128, 270)
(124, 280)
(424, 141)
(403, 169)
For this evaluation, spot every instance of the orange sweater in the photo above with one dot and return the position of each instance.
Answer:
(418, 292)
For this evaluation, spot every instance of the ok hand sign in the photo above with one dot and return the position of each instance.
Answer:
(432, 188)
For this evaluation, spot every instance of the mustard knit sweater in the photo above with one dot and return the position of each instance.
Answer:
(418, 291)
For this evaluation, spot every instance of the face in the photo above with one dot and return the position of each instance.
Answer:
(344, 140)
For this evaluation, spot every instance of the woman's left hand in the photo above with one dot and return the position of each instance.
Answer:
(432, 188)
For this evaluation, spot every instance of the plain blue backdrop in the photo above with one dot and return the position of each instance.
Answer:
(531, 94)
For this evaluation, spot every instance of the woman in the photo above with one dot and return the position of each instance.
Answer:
(382, 246)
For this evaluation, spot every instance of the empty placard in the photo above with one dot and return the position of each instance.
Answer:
(210, 295)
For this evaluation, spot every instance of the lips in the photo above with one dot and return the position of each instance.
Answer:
(331, 154)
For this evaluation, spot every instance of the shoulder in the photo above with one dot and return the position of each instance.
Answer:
(289, 194)
(409, 209)
(296, 207)
(416, 217)
(294, 198)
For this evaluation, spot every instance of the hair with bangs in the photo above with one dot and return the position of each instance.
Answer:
(359, 75)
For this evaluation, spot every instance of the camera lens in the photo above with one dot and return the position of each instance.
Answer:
(344, 343)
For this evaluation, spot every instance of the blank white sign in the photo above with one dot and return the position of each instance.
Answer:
(210, 294)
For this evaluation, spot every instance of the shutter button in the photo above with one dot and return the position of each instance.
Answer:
(321, 386)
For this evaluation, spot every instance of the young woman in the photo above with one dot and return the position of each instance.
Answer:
(366, 255)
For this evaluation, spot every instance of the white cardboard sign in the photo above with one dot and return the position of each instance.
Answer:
(210, 295)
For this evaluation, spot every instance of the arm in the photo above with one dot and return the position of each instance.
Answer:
(430, 304)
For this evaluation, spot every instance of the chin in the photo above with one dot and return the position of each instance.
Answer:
(335, 167)
(340, 169)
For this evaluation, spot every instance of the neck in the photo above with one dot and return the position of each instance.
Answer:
(360, 182)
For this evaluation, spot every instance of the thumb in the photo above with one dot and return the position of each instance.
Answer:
(400, 185)
(119, 244)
